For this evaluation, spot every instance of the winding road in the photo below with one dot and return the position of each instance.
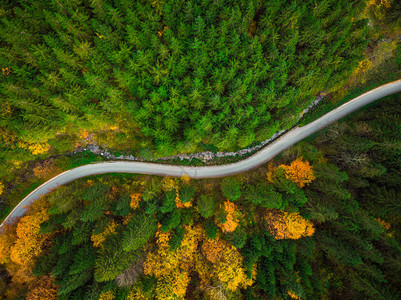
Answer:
(285, 141)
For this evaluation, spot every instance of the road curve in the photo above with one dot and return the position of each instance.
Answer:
(285, 141)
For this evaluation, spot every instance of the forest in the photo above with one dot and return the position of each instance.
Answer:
(170, 75)
(313, 223)
(157, 78)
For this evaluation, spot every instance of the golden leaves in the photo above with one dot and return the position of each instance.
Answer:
(285, 225)
(173, 266)
(46, 170)
(135, 199)
(213, 249)
(39, 148)
(6, 71)
(231, 222)
(300, 172)
(45, 289)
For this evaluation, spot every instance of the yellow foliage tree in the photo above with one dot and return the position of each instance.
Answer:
(285, 225)
(1, 188)
(109, 295)
(215, 261)
(168, 184)
(39, 148)
(25, 244)
(230, 270)
(135, 199)
(185, 179)
(299, 172)
(173, 266)
(30, 244)
(293, 295)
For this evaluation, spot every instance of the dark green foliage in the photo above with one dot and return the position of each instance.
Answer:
(238, 237)
(81, 233)
(170, 220)
(121, 207)
(168, 202)
(176, 238)
(252, 251)
(71, 283)
(138, 232)
(210, 228)
(264, 195)
(113, 258)
(231, 188)
(45, 263)
(186, 193)
(96, 209)
(206, 206)
(84, 258)
(265, 276)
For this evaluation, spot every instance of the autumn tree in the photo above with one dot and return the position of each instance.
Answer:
(285, 225)
(231, 217)
(30, 243)
(8, 236)
(46, 169)
(45, 289)
(173, 266)
(300, 172)
(135, 199)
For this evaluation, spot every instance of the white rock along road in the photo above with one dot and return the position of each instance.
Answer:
(285, 141)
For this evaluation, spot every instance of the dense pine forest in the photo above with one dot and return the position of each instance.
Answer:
(172, 75)
(156, 78)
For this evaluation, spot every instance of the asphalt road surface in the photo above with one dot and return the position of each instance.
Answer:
(285, 141)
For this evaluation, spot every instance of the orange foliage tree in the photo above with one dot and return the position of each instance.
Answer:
(25, 244)
(285, 225)
(300, 172)
(231, 222)
(30, 243)
(45, 289)
(8, 236)
(46, 170)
